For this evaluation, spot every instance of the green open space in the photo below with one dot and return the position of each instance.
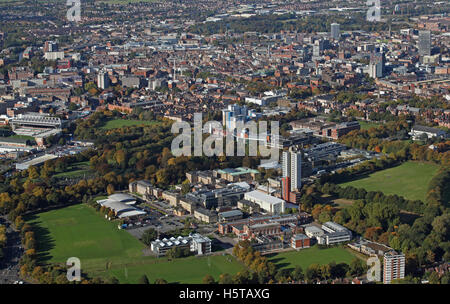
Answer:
(105, 251)
(409, 180)
(119, 123)
(366, 125)
(79, 231)
(313, 255)
(75, 170)
(24, 137)
(125, 1)
(190, 270)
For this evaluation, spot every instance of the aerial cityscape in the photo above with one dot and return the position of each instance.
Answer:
(240, 142)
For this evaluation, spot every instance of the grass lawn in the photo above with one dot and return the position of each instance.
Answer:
(79, 231)
(366, 125)
(190, 270)
(308, 256)
(409, 180)
(104, 250)
(342, 203)
(119, 123)
(25, 137)
(75, 170)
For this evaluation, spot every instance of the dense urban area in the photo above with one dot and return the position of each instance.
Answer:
(90, 110)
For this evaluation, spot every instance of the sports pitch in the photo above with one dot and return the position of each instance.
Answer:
(313, 255)
(409, 180)
(105, 251)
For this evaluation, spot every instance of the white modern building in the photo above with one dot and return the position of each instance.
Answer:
(333, 238)
(417, 131)
(196, 243)
(53, 55)
(292, 172)
(200, 244)
(331, 227)
(266, 202)
(334, 234)
(313, 231)
(102, 80)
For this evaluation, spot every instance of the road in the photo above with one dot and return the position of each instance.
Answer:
(9, 266)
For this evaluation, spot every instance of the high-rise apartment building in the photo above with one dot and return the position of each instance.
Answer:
(394, 266)
(376, 65)
(102, 80)
(335, 31)
(424, 43)
(292, 175)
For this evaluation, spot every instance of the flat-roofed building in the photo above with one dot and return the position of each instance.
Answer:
(267, 243)
(160, 247)
(141, 187)
(313, 231)
(393, 266)
(205, 215)
(418, 131)
(237, 174)
(268, 203)
(196, 243)
(171, 197)
(231, 215)
(200, 244)
(299, 241)
(333, 238)
(334, 233)
(268, 228)
(187, 204)
(331, 227)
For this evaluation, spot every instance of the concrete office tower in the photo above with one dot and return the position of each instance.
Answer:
(335, 31)
(376, 65)
(424, 43)
(292, 174)
(102, 80)
(394, 266)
